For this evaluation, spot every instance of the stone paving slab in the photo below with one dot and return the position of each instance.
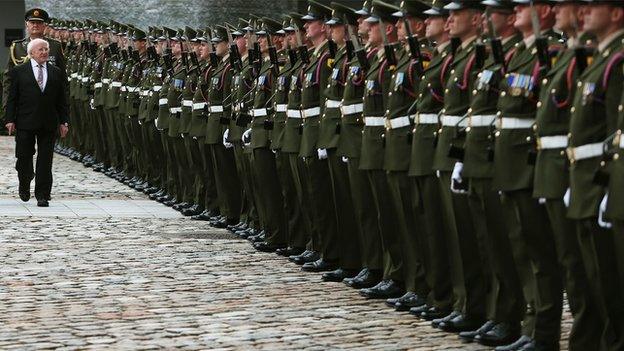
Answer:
(120, 282)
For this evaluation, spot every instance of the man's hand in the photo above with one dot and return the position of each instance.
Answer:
(10, 127)
(63, 129)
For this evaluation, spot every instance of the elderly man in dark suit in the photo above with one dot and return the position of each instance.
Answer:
(36, 109)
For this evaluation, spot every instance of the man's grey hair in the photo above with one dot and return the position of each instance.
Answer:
(36, 42)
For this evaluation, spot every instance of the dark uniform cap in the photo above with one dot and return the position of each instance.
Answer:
(340, 12)
(220, 33)
(499, 5)
(139, 34)
(382, 11)
(189, 34)
(317, 12)
(157, 33)
(437, 9)
(464, 4)
(413, 8)
(269, 25)
(100, 28)
(203, 35)
(365, 10)
(295, 19)
(37, 14)
(198, 34)
(179, 35)
(167, 32)
(285, 24)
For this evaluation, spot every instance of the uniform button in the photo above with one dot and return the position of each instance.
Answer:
(572, 109)
(569, 135)
(499, 113)
(620, 108)
(553, 91)
(503, 94)
(468, 129)
(479, 75)
(535, 127)
(497, 134)
(455, 79)
(469, 110)
(446, 90)
(562, 153)
(390, 94)
(579, 84)
(452, 71)
(603, 163)
(539, 104)
(544, 81)
(440, 131)
(474, 92)
(422, 78)
(528, 139)
(616, 157)
(428, 85)
(420, 95)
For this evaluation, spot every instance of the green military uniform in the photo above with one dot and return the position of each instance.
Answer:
(593, 116)
(529, 229)
(550, 183)
(425, 189)
(504, 302)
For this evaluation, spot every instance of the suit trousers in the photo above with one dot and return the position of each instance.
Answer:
(25, 141)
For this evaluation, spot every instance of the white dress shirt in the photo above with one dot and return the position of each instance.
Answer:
(36, 68)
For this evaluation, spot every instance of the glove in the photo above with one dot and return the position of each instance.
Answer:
(456, 179)
(322, 154)
(601, 213)
(226, 143)
(566, 198)
(247, 137)
(92, 104)
(345, 159)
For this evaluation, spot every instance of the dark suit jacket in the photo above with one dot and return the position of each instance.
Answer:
(30, 108)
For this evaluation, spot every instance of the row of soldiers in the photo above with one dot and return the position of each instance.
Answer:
(458, 159)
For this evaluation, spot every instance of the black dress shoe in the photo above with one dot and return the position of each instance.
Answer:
(434, 313)
(42, 203)
(223, 224)
(289, 251)
(393, 301)
(408, 301)
(540, 346)
(263, 246)
(468, 336)
(305, 257)
(339, 275)
(193, 210)
(384, 290)
(367, 278)
(437, 321)
(24, 195)
(349, 281)
(501, 334)
(170, 202)
(417, 311)
(320, 265)
(461, 323)
(515, 346)
(181, 206)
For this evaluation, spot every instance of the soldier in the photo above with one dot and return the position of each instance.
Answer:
(504, 305)
(528, 225)
(593, 116)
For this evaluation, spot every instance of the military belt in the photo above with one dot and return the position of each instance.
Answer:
(516, 123)
(105, 80)
(281, 107)
(78, 76)
(552, 142)
(85, 79)
(175, 109)
(481, 120)
(374, 121)
(426, 118)
(311, 112)
(333, 103)
(157, 87)
(163, 101)
(293, 113)
(123, 88)
(398, 122)
(74, 75)
(97, 85)
(351, 109)
(619, 140)
(259, 112)
(585, 151)
(144, 92)
(187, 103)
(199, 106)
(132, 89)
(116, 84)
(454, 121)
(216, 108)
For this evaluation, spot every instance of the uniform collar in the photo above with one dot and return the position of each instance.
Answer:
(609, 39)
(226, 57)
(440, 47)
(466, 43)
(319, 47)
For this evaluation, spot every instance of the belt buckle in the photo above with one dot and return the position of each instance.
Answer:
(539, 143)
(570, 153)
(617, 138)
(387, 123)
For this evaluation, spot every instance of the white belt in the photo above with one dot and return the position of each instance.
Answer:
(79, 76)
(144, 92)
(374, 121)
(105, 80)
(454, 121)
(351, 109)
(281, 108)
(217, 108)
(481, 120)
(74, 75)
(163, 101)
(333, 103)
(123, 88)
(187, 103)
(259, 112)
(311, 112)
(97, 85)
(398, 122)
(116, 84)
(85, 79)
(293, 113)
(69, 79)
(516, 123)
(552, 142)
(157, 87)
(175, 109)
(621, 143)
(132, 89)
(585, 151)
(199, 106)
(426, 118)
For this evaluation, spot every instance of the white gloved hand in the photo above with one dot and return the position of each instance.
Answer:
(322, 154)
(345, 159)
(247, 137)
(92, 104)
(601, 213)
(456, 178)
(541, 200)
(226, 143)
(566, 198)
(438, 173)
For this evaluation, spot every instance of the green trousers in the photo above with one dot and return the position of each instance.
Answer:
(211, 198)
(504, 301)
(298, 170)
(297, 232)
(228, 183)
(270, 201)
(408, 225)
(428, 205)
(365, 214)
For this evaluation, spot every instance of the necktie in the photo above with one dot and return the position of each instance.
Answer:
(40, 77)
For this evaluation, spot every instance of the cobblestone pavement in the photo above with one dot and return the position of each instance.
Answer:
(125, 282)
